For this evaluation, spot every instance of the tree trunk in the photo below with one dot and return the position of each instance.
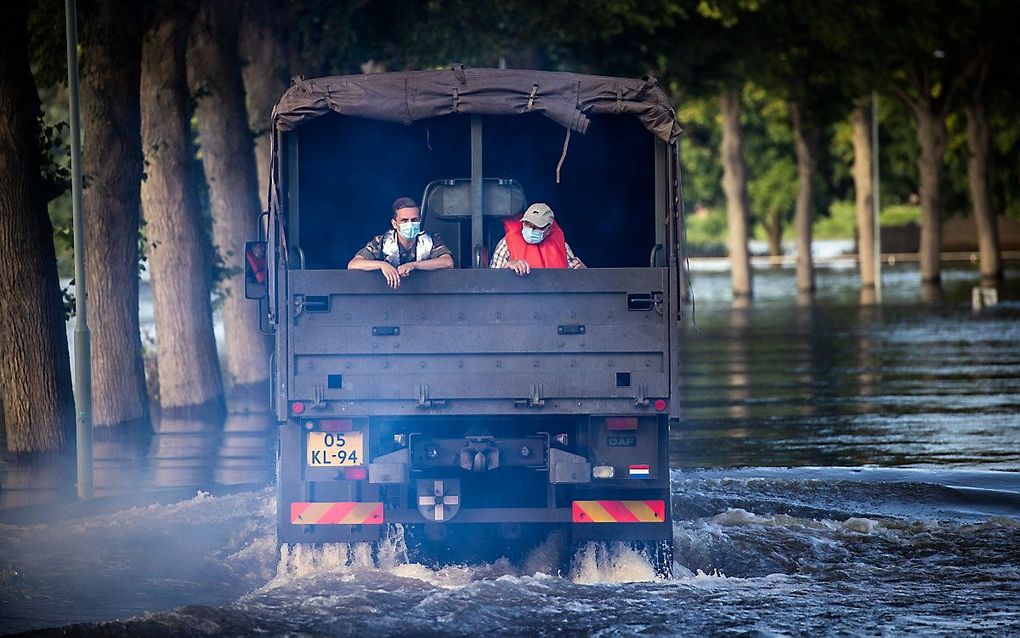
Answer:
(773, 224)
(189, 370)
(735, 186)
(35, 372)
(931, 134)
(112, 165)
(977, 174)
(214, 72)
(864, 187)
(806, 143)
(264, 52)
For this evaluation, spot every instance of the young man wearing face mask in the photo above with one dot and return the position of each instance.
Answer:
(403, 248)
(533, 241)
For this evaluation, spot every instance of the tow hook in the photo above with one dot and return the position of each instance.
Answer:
(479, 455)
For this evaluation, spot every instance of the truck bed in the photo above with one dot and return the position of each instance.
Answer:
(477, 342)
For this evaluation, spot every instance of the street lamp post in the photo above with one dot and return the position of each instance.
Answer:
(82, 350)
(877, 230)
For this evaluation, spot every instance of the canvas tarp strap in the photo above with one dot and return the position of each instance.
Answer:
(566, 98)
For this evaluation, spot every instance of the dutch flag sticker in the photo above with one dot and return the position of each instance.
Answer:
(639, 471)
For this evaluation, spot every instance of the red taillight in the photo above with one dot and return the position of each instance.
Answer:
(336, 425)
(355, 473)
(297, 407)
(660, 405)
(621, 423)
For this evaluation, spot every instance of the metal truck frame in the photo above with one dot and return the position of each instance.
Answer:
(470, 399)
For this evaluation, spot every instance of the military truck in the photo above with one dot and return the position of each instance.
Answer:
(473, 403)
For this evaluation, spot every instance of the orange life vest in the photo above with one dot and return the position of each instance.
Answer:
(551, 252)
(258, 267)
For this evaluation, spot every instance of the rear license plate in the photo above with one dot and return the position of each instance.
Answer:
(335, 449)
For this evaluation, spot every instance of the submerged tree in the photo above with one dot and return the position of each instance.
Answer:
(718, 43)
(214, 75)
(189, 370)
(801, 65)
(993, 77)
(263, 42)
(112, 167)
(35, 375)
(977, 173)
(864, 190)
(932, 59)
(734, 184)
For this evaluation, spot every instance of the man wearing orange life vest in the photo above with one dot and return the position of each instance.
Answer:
(534, 241)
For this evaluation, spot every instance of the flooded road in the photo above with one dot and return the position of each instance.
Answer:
(841, 468)
(911, 382)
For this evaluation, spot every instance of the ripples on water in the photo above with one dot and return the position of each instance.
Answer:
(885, 509)
(757, 550)
(834, 382)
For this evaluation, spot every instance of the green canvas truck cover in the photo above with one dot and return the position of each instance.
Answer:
(566, 98)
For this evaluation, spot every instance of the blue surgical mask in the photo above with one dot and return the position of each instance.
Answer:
(532, 235)
(408, 230)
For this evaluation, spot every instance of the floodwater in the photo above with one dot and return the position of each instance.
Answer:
(841, 469)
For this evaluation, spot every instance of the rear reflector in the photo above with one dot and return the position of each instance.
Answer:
(355, 473)
(619, 511)
(297, 407)
(336, 513)
(621, 422)
(336, 425)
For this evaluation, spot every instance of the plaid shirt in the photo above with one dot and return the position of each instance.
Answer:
(501, 256)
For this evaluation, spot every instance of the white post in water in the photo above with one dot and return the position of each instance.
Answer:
(877, 234)
(82, 350)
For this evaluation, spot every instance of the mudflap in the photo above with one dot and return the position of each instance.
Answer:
(607, 519)
(364, 554)
(623, 532)
(658, 553)
(654, 540)
(315, 512)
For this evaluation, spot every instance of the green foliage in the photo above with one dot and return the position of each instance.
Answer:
(218, 275)
(706, 230)
(822, 56)
(769, 155)
(841, 223)
(332, 36)
(955, 185)
(63, 234)
(339, 36)
(900, 215)
(55, 167)
(773, 191)
(47, 42)
(1005, 161)
(54, 159)
(699, 153)
(768, 152)
(898, 153)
